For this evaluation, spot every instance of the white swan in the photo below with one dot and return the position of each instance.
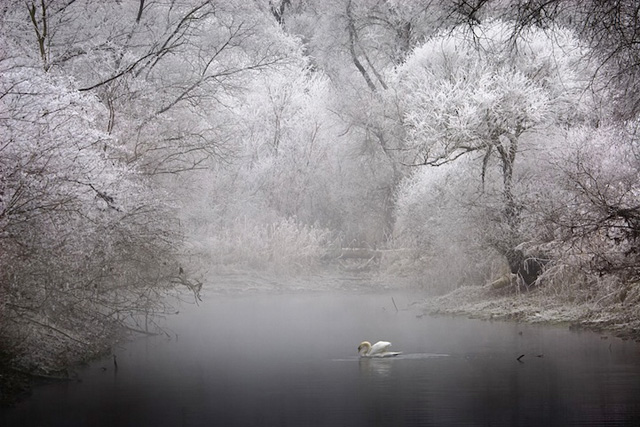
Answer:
(379, 349)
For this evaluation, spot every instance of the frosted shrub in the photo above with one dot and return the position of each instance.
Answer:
(284, 246)
(597, 221)
(441, 230)
(86, 241)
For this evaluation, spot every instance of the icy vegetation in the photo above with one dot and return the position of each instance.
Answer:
(150, 149)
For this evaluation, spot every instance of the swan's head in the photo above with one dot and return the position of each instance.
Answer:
(364, 347)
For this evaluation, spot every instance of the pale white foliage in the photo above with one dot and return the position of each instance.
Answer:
(487, 97)
(581, 207)
(267, 198)
(460, 91)
(437, 221)
(283, 246)
(82, 235)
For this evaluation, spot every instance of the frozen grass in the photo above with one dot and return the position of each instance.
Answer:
(285, 247)
(564, 296)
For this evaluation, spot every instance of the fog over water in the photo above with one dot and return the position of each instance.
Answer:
(291, 359)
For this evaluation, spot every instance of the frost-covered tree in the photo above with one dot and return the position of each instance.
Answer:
(439, 231)
(276, 187)
(481, 92)
(87, 244)
(353, 42)
(167, 72)
(608, 27)
(589, 211)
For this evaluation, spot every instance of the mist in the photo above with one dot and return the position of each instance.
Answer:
(182, 169)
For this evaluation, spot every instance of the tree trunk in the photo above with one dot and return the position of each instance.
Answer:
(352, 48)
(41, 33)
(139, 15)
(508, 157)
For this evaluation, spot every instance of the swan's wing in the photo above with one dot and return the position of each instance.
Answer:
(379, 347)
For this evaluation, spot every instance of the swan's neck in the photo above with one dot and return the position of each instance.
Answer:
(366, 349)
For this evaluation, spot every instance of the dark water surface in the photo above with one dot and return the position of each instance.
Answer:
(290, 360)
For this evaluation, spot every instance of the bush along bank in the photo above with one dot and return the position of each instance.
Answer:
(605, 305)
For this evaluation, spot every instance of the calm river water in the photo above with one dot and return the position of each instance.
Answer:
(290, 360)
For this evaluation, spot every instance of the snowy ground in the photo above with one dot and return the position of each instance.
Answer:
(621, 320)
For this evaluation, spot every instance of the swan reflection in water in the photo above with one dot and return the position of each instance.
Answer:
(379, 349)
(372, 368)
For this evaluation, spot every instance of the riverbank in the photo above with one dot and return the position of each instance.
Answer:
(620, 319)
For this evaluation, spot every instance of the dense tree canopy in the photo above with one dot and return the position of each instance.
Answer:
(480, 91)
